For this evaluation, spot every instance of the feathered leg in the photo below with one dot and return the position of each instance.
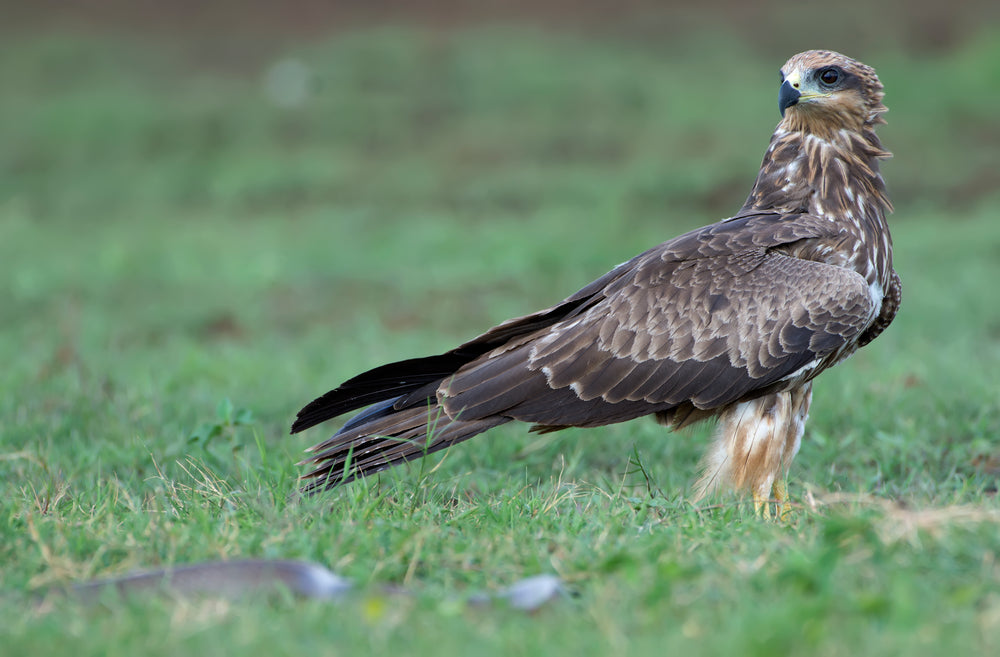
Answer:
(755, 444)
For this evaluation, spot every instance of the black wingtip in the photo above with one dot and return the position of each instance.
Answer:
(318, 410)
(388, 381)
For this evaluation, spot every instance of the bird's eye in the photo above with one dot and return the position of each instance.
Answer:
(829, 76)
(781, 74)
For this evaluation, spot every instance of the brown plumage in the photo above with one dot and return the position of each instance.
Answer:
(732, 320)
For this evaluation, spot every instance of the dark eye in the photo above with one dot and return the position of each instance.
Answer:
(782, 75)
(829, 76)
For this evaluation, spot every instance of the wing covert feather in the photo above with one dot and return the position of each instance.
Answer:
(775, 318)
(705, 319)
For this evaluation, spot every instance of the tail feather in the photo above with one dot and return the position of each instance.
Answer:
(387, 438)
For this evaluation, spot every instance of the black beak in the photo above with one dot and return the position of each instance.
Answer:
(787, 96)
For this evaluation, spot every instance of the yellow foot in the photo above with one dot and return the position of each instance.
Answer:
(762, 505)
(781, 505)
(779, 496)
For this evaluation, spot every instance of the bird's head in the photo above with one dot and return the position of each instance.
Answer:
(823, 91)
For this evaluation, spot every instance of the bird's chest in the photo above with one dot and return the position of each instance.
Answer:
(859, 245)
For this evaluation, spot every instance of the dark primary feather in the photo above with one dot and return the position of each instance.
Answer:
(401, 379)
(392, 381)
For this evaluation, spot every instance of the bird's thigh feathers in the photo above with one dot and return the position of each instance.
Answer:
(755, 443)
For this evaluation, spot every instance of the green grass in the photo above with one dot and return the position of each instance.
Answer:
(185, 263)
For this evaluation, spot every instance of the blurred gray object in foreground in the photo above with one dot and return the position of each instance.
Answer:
(229, 579)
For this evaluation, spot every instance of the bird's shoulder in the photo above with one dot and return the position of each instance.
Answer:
(701, 266)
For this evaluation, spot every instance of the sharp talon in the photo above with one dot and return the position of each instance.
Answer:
(780, 492)
(762, 506)
(778, 497)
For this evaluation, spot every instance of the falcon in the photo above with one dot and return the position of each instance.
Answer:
(731, 321)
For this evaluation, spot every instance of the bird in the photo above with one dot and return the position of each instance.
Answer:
(732, 321)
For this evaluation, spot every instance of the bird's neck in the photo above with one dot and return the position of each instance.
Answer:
(835, 176)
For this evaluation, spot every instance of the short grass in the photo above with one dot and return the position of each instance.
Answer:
(186, 260)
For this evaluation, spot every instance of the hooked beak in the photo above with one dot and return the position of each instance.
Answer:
(787, 96)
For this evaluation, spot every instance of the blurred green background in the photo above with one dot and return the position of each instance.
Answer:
(256, 201)
(211, 212)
